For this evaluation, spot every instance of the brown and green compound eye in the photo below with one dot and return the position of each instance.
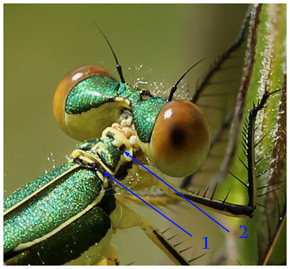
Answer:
(180, 137)
(83, 103)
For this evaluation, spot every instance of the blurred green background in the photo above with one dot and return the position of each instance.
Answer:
(42, 43)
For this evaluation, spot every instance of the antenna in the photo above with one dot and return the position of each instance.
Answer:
(118, 66)
(174, 88)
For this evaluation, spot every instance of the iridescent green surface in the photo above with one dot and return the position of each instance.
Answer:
(145, 113)
(52, 207)
(74, 240)
(69, 243)
(91, 92)
(97, 90)
(104, 149)
(130, 93)
(55, 205)
(88, 144)
(109, 154)
(42, 43)
(34, 185)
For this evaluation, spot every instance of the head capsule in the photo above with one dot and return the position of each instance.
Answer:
(84, 102)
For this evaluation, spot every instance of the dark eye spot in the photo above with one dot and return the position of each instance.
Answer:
(178, 137)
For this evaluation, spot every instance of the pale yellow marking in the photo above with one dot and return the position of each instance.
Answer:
(63, 225)
(119, 99)
(145, 147)
(88, 158)
(100, 175)
(127, 101)
(89, 124)
(84, 156)
(151, 199)
(119, 138)
(111, 257)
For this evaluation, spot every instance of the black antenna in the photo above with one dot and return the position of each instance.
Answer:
(174, 88)
(118, 66)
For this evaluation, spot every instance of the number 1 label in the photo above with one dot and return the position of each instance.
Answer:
(205, 241)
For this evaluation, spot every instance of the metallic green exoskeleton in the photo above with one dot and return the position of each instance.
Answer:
(61, 219)
(65, 215)
(69, 215)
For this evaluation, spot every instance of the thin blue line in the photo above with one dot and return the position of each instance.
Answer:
(178, 192)
(107, 174)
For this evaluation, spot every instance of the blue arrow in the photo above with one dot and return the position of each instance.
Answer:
(108, 175)
(177, 192)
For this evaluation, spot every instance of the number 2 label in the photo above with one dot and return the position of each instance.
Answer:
(245, 231)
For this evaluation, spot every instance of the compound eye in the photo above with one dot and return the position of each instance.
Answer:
(64, 88)
(180, 139)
